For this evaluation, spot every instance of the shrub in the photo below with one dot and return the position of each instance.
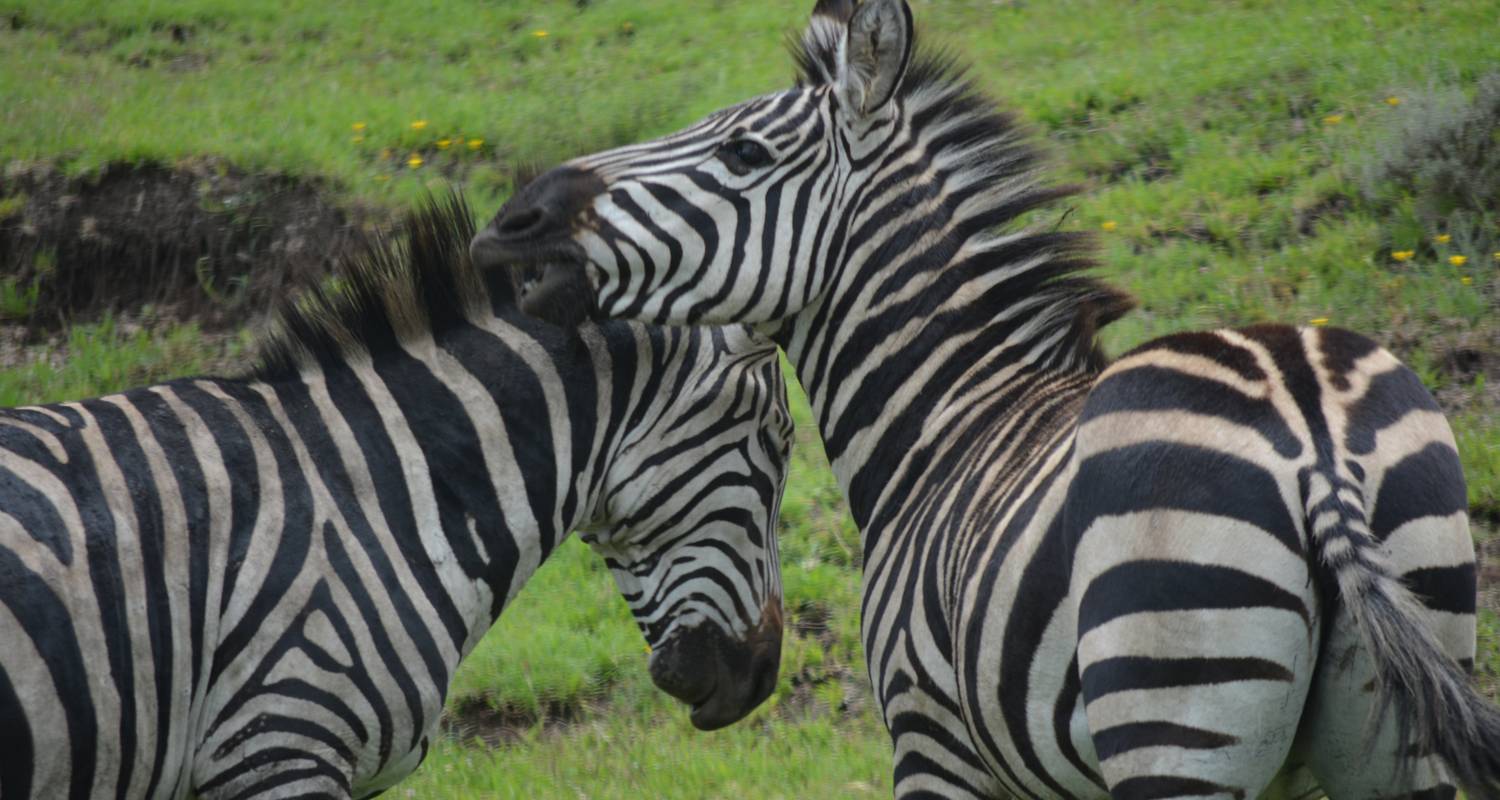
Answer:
(1438, 166)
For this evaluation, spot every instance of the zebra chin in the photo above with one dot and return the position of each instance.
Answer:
(721, 677)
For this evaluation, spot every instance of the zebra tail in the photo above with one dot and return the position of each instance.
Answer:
(1437, 709)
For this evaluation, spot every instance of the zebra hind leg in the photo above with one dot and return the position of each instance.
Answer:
(1335, 738)
(1196, 648)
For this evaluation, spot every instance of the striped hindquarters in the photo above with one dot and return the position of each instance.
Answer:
(1236, 492)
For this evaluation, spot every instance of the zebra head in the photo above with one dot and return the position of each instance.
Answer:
(740, 217)
(687, 526)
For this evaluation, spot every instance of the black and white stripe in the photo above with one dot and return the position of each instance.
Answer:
(260, 587)
(1196, 572)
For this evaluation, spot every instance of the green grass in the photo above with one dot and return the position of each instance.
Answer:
(1479, 446)
(1489, 651)
(567, 639)
(103, 357)
(1221, 143)
(280, 86)
(624, 756)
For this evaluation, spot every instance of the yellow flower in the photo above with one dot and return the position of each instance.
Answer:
(1403, 255)
(442, 144)
(418, 124)
(648, 647)
(1318, 322)
(1109, 225)
(1466, 280)
(1442, 238)
(1497, 255)
(358, 139)
(1393, 101)
(1458, 261)
(475, 144)
(414, 162)
(539, 34)
(359, 126)
(1333, 119)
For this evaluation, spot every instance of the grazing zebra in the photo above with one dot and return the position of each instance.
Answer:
(1204, 570)
(260, 587)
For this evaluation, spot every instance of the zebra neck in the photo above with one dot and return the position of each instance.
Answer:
(457, 454)
(893, 400)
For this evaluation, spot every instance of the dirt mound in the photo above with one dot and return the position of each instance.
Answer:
(202, 241)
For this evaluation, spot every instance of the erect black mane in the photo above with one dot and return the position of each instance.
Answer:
(417, 283)
(1005, 168)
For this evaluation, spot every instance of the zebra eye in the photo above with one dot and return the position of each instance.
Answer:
(742, 155)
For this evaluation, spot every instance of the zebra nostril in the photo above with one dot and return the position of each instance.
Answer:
(520, 221)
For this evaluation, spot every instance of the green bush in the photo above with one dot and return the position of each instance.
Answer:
(1437, 168)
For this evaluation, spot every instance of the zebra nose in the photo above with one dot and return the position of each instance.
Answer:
(537, 217)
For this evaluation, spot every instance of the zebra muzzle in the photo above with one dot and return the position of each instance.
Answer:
(721, 677)
(533, 232)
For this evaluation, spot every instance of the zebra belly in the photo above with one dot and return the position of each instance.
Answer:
(1014, 647)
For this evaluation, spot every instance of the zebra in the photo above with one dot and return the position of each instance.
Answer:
(261, 586)
(1233, 563)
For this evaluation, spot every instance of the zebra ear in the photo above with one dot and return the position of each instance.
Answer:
(877, 48)
(817, 53)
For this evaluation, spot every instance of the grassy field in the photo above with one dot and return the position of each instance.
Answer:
(1227, 150)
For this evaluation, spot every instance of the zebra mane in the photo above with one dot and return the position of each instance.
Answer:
(990, 156)
(399, 287)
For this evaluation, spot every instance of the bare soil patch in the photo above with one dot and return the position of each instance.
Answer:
(509, 725)
(201, 240)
